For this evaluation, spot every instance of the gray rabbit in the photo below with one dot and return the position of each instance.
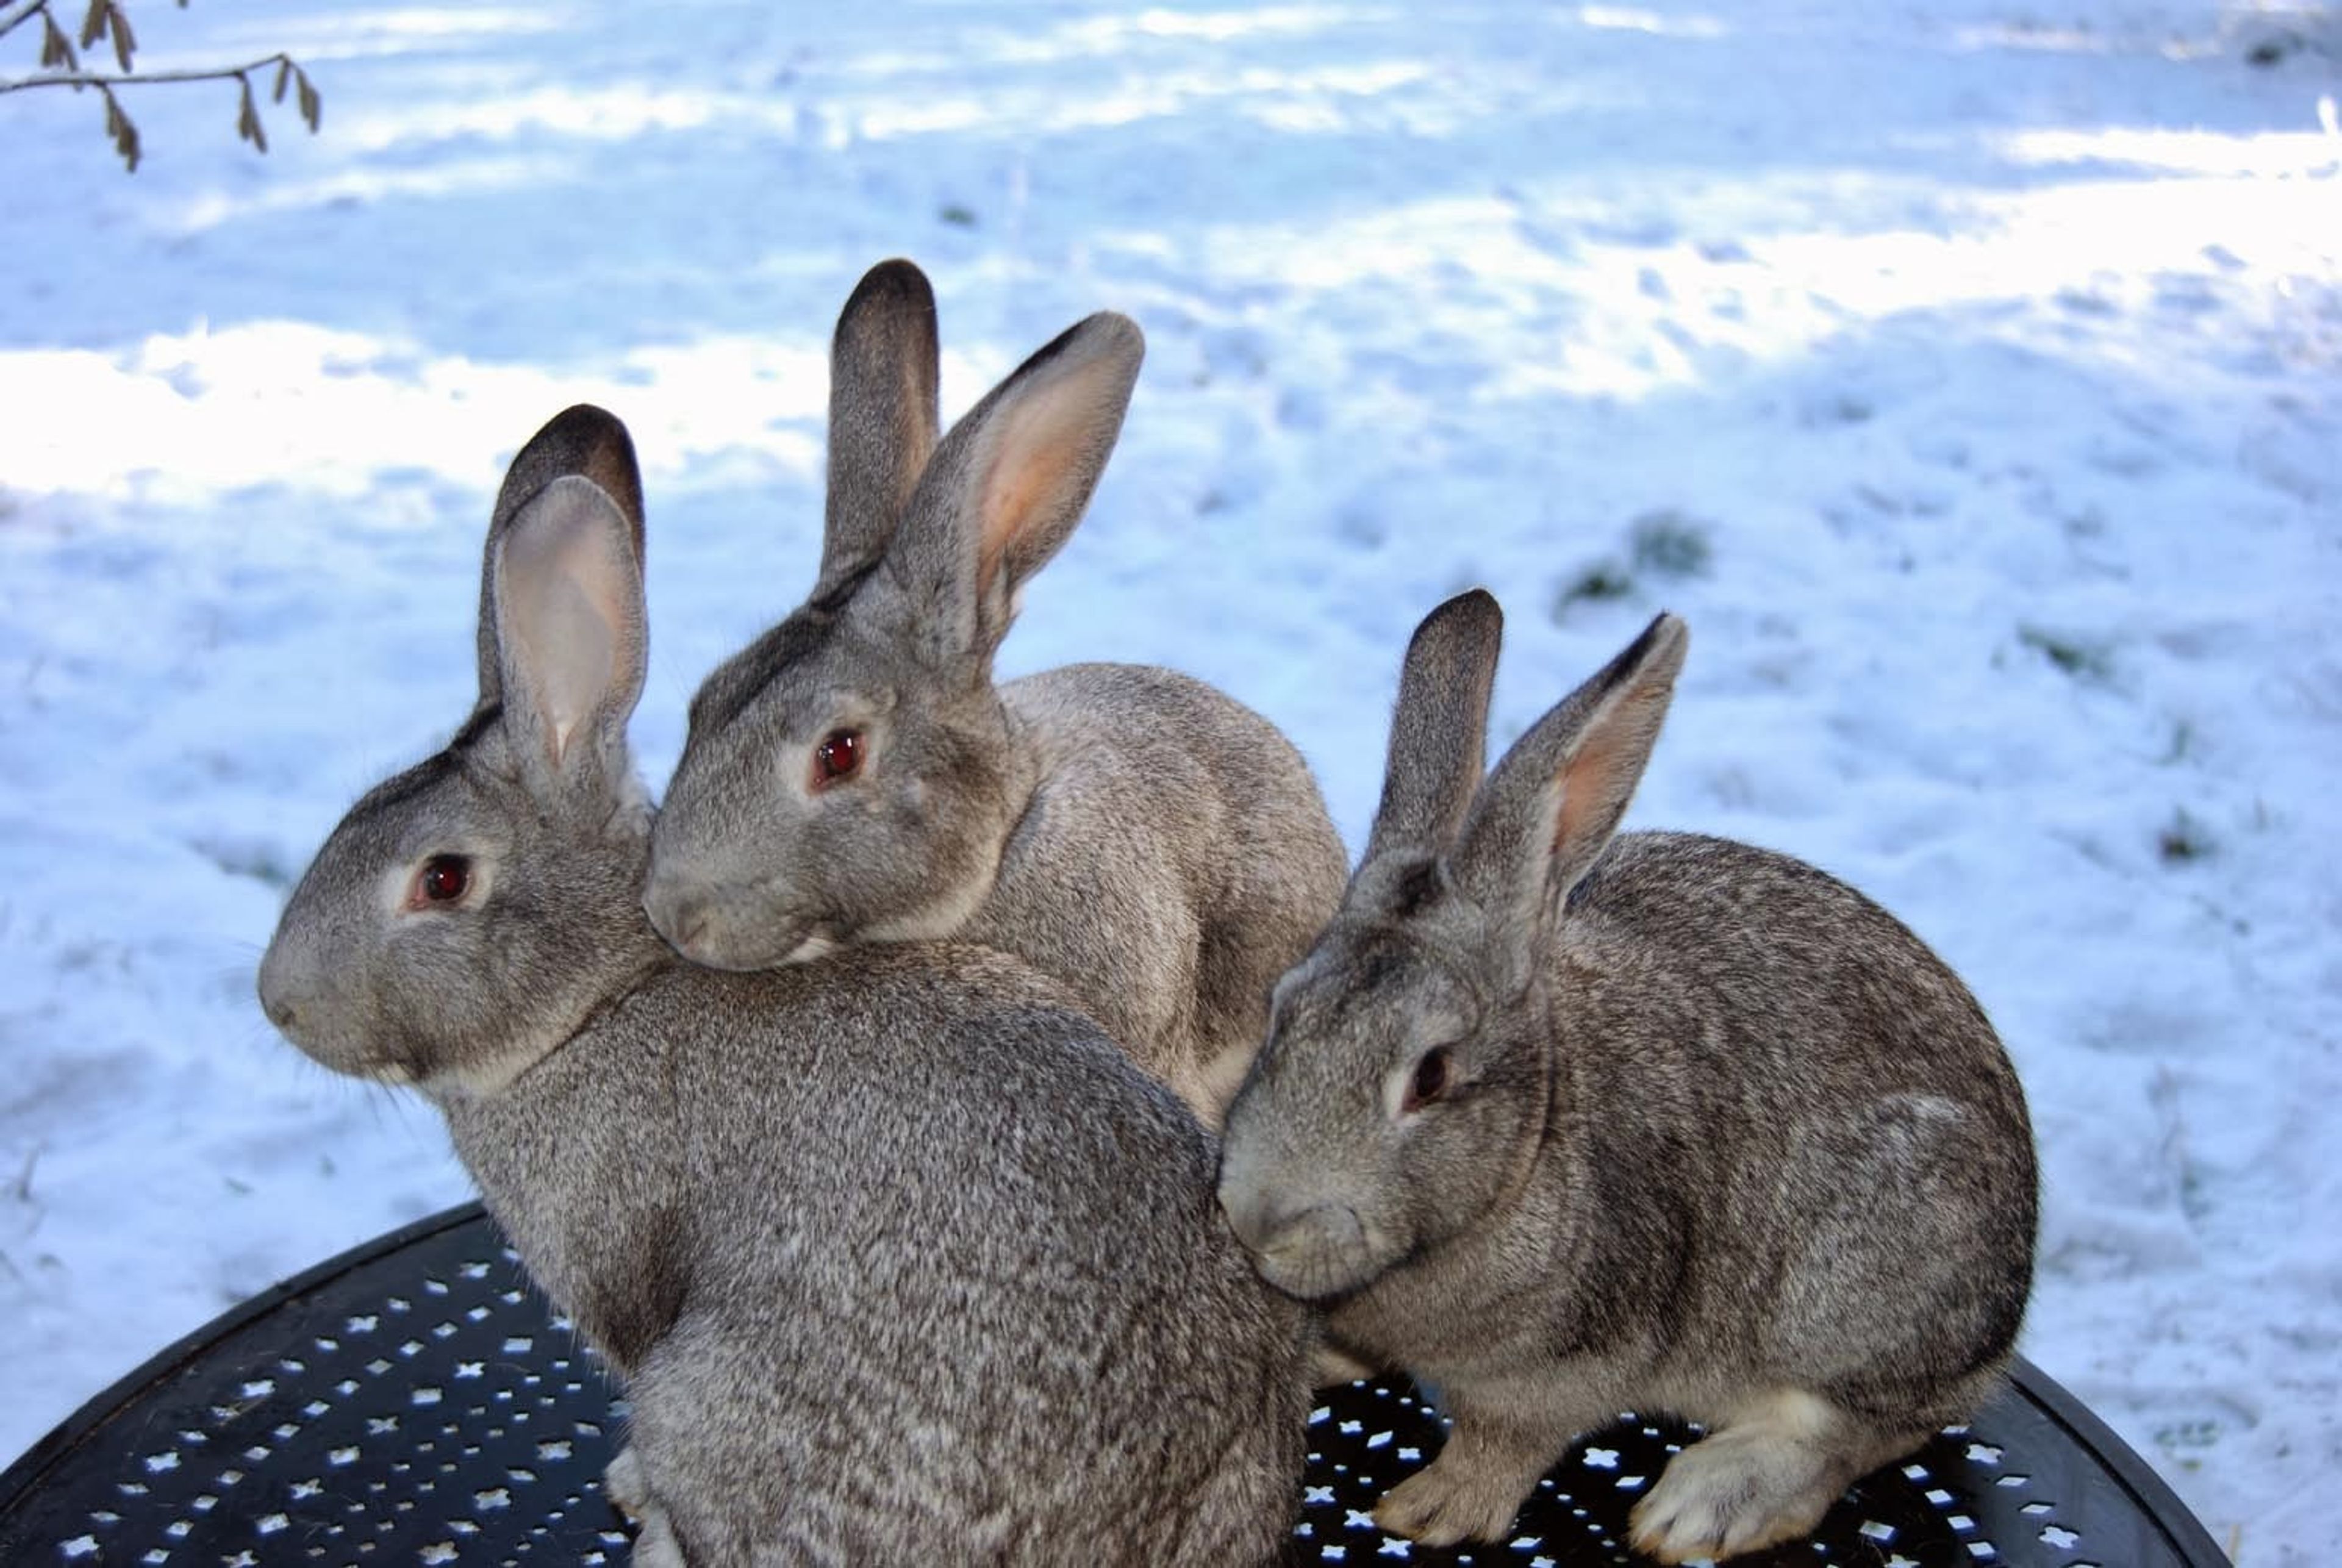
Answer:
(854, 775)
(1567, 1126)
(900, 1258)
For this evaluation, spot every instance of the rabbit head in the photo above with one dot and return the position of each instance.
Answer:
(1405, 1086)
(464, 916)
(851, 774)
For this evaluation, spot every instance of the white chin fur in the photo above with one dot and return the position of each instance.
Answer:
(935, 920)
(482, 1080)
(811, 948)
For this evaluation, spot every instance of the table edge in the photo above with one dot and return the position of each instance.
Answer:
(2154, 1496)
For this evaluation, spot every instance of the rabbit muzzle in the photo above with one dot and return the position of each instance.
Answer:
(296, 990)
(1305, 1246)
(301, 998)
(730, 926)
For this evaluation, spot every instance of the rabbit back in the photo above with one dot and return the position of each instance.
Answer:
(1175, 859)
(1848, 1134)
(957, 1285)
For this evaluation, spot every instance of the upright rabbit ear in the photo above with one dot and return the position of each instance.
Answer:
(568, 628)
(1006, 487)
(581, 440)
(1440, 729)
(1551, 805)
(883, 415)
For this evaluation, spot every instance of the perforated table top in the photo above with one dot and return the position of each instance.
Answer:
(414, 1401)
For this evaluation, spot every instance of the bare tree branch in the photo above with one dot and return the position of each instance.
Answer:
(61, 66)
(140, 78)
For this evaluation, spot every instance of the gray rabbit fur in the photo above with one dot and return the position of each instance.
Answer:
(1568, 1125)
(900, 1258)
(854, 776)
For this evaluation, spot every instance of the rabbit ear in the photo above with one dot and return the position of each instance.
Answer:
(1439, 728)
(882, 415)
(1008, 486)
(1549, 808)
(568, 628)
(582, 440)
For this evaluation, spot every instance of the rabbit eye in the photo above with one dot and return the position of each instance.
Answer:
(444, 879)
(838, 756)
(1431, 1079)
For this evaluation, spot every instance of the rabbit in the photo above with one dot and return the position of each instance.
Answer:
(1566, 1125)
(854, 775)
(899, 1257)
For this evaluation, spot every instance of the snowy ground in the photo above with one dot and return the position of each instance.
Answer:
(1968, 371)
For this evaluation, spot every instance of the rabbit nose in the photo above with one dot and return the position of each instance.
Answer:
(280, 1012)
(277, 996)
(681, 915)
(728, 925)
(1275, 1224)
(1309, 1247)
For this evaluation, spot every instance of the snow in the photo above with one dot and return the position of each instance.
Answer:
(1965, 371)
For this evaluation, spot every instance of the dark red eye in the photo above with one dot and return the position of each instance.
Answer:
(444, 879)
(1431, 1079)
(838, 756)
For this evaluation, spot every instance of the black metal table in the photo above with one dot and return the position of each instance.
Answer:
(414, 1401)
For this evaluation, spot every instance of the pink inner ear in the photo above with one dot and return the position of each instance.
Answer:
(1015, 493)
(1605, 767)
(569, 586)
(577, 663)
(1044, 452)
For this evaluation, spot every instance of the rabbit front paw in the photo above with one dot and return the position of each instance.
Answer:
(624, 1485)
(1448, 1502)
(1731, 1492)
(628, 1490)
(656, 1546)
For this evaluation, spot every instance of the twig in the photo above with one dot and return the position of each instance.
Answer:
(61, 66)
(10, 24)
(139, 78)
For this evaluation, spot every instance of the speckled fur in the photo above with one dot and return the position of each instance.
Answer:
(900, 1258)
(1722, 1138)
(1151, 843)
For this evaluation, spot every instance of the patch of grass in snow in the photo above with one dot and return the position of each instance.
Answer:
(1670, 543)
(1665, 543)
(2184, 839)
(2319, 33)
(1603, 580)
(2180, 1436)
(2080, 657)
